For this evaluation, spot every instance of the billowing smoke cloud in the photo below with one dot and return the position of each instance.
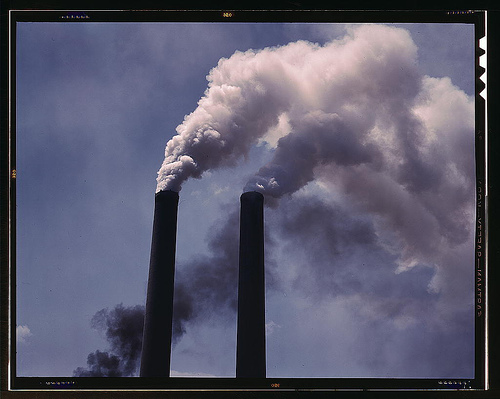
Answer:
(406, 322)
(231, 117)
(355, 114)
(123, 327)
(249, 92)
(338, 252)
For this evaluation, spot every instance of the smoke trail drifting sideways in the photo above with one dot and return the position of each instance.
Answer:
(123, 327)
(205, 287)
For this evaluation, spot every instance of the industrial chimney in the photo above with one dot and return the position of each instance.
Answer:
(251, 335)
(157, 337)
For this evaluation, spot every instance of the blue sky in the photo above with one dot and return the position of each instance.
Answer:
(349, 296)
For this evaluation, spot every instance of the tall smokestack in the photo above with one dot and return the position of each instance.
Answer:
(251, 336)
(157, 338)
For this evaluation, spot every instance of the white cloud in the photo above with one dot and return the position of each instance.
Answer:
(22, 334)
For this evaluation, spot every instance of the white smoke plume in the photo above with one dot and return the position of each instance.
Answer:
(332, 85)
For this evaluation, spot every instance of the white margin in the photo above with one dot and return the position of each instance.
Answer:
(484, 78)
(9, 207)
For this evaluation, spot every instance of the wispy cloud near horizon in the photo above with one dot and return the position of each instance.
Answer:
(23, 333)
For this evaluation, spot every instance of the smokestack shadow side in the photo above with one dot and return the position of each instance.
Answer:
(251, 339)
(157, 337)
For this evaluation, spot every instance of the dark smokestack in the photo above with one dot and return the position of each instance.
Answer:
(251, 338)
(157, 339)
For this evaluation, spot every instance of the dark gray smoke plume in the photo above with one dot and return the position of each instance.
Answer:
(100, 364)
(319, 139)
(207, 285)
(340, 254)
(123, 327)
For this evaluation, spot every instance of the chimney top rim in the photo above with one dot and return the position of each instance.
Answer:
(171, 193)
(252, 194)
